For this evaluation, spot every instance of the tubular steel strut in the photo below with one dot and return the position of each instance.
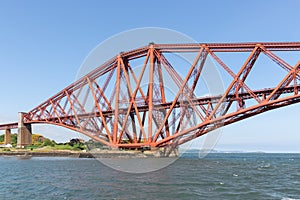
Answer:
(113, 105)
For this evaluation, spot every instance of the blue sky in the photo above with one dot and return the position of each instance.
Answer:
(43, 44)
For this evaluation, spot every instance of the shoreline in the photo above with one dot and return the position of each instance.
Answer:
(47, 154)
(80, 154)
(26, 154)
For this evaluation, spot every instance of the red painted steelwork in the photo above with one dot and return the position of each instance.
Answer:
(113, 105)
(9, 126)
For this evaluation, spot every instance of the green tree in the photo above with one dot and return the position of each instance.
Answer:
(14, 139)
(48, 142)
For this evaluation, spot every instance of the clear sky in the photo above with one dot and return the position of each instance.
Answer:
(43, 44)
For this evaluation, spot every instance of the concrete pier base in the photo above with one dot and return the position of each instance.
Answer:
(170, 151)
(7, 136)
(24, 133)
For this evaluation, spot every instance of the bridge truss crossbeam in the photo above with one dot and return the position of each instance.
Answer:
(126, 101)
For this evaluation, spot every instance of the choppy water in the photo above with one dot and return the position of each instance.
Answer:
(218, 176)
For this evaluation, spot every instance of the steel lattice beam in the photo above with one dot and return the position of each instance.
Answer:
(113, 105)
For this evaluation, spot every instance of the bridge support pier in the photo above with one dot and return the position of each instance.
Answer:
(170, 151)
(7, 136)
(24, 133)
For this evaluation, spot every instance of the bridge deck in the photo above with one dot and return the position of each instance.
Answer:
(194, 102)
(9, 126)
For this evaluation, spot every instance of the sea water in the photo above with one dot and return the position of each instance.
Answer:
(217, 176)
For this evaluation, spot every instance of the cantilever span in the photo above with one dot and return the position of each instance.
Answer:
(148, 97)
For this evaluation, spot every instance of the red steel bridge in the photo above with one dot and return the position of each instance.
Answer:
(125, 106)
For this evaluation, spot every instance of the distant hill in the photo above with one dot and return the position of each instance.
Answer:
(214, 151)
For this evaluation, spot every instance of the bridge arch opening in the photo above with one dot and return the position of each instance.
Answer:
(57, 133)
(274, 131)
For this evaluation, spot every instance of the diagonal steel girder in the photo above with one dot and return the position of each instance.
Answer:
(126, 114)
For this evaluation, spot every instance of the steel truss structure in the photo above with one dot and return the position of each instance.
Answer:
(122, 105)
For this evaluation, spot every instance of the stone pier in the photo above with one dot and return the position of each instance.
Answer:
(24, 133)
(7, 136)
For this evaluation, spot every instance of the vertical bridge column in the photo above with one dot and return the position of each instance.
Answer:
(24, 132)
(7, 136)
